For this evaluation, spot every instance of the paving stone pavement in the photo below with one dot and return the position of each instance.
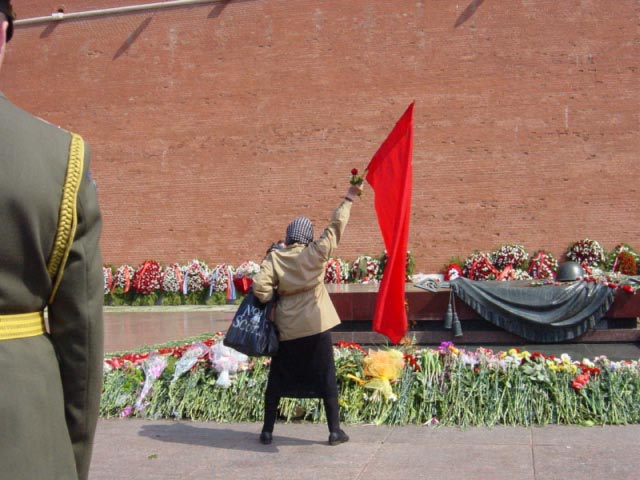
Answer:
(138, 449)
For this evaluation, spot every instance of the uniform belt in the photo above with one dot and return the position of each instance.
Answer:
(21, 325)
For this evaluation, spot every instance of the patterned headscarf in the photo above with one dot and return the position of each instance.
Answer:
(299, 231)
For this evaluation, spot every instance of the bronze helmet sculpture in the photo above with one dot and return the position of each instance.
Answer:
(569, 272)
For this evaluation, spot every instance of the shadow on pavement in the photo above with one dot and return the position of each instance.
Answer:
(218, 437)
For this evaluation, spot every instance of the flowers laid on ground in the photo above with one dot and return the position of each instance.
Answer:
(380, 368)
(449, 385)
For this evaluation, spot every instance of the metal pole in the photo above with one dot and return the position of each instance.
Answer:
(58, 16)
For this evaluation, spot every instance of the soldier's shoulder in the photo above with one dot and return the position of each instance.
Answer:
(28, 120)
(51, 126)
(48, 123)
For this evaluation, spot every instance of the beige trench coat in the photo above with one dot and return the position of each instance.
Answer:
(304, 307)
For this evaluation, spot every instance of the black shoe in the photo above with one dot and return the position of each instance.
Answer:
(266, 438)
(336, 438)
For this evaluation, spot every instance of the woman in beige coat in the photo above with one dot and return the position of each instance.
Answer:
(304, 366)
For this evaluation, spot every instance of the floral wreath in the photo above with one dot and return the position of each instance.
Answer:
(123, 277)
(171, 280)
(195, 276)
(543, 265)
(479, 266)
(147, 277)
(409, 267)
(623, 259)
(365, 269)
(336, 271)
(520, 274)
(247, 269)
(107, 279)
(221, 277)
(586, 251)
(452, 271)
(510, 254)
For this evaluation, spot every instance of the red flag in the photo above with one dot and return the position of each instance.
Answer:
(389, 174)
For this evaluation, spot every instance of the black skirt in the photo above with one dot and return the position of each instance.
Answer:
(303, 368)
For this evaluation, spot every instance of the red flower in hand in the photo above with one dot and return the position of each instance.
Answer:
(355, 178)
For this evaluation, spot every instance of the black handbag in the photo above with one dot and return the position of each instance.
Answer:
(251, 331)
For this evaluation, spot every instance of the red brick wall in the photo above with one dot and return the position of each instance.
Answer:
(212, 126)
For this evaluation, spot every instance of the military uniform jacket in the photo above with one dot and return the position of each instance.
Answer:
(304, 307)
(51, 383)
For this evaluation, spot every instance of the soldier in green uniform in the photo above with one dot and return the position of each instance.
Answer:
(50, 381)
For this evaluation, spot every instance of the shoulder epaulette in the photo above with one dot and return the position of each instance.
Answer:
(68, 217)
